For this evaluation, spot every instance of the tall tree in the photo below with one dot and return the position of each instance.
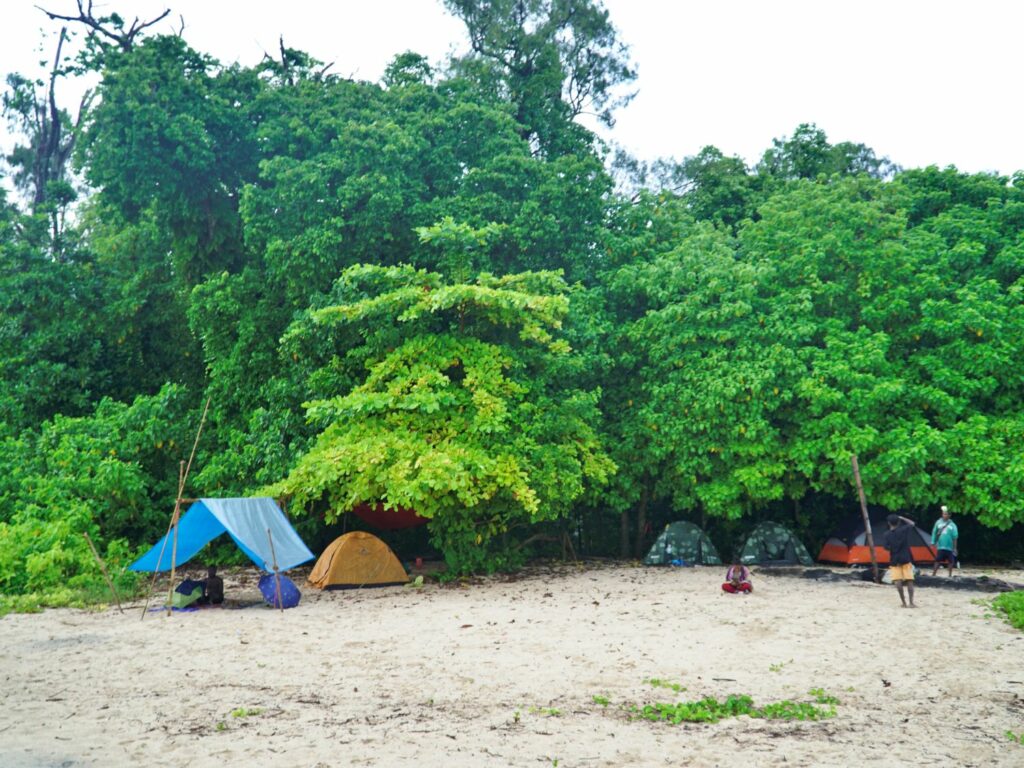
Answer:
(552, 60)
(807, 154)
(172, 136)
(462, 416)
(715, 187)
(42, 165)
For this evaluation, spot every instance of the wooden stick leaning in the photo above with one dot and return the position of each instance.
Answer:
(182, 478)
(867, 521)
(174, 532)
(177, 507)
(104, 569)
(163, 548)
(277, 577)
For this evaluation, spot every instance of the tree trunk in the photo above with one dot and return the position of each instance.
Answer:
(624, 534)
(641, 522)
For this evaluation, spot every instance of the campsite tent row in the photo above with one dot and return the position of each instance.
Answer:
(261, 530)
(773, 544)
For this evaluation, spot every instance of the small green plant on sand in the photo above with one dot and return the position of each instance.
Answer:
(1011, 606)
(1016, 738)
(245, 712)
(665, 684)
(546, 711)
(794, 710)
(222, 726)
(778, 667)
(821, 697)
(711, 710)
(604, 701)
(706, 710)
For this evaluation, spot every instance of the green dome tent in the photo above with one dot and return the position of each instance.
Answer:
(684, 541)
(774, 544)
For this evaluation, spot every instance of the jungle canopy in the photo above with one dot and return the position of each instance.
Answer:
(246, 521)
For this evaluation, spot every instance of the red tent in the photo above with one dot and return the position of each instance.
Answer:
(388, 519)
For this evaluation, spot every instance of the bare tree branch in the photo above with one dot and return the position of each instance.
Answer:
(124, 39)
(323, 70)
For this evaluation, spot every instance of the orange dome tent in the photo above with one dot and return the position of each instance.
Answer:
(357, 559)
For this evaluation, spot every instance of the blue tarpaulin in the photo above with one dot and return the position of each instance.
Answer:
(246, 521)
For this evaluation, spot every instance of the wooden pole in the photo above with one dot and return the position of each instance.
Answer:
(567, 544)
(202, 421)
(173, 527)
(864, 514)
(174, 533)
(156, 571)
(182, 478)
(277, 577)
(103, 568)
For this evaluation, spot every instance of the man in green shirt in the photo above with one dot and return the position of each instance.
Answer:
(944, 537)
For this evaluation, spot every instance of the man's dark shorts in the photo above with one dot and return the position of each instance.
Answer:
(945, 556)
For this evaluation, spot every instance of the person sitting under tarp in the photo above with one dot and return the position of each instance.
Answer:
(213, 588)
(208, 591)
(737, 579)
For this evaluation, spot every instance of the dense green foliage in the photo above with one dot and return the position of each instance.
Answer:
(428, 293)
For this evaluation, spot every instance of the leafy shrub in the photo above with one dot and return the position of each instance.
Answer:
(1011, 604)
(100, 475)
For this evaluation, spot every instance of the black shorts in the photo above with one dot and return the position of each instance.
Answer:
(945, 556)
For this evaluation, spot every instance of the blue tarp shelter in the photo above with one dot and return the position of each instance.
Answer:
(246, 521)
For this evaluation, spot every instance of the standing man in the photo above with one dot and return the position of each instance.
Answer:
(901, 562)
(944, 537)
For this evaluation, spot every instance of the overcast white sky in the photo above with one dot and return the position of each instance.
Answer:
(935, 82)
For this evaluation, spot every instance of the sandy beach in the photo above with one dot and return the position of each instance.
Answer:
(503, 672)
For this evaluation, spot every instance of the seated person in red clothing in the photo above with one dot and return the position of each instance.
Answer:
(737, 579)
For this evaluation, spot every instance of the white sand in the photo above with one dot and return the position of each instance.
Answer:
(436, 677)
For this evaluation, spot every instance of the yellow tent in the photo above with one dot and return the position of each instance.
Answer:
(357, 559)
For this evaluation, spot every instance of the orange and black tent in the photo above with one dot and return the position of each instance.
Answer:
(848, 544)
(357, 559)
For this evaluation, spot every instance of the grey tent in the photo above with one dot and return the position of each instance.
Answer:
(684, 541)
(774, 544)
